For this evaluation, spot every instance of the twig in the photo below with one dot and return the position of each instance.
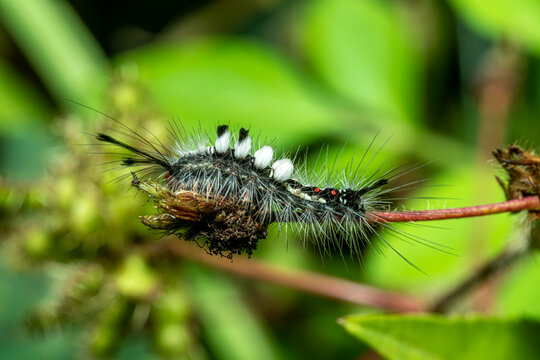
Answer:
(490, 268)
(310, 282)
(526, 203)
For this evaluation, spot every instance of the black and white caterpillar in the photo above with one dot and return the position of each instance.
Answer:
(250, 191)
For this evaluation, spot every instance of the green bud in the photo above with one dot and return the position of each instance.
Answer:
(65, 191)
(85, 214)
(135, 278)
(102, 343)
(105, 336)
(172, 339)
(37, 243)
(172, 307)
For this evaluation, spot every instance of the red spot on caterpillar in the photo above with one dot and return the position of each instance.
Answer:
(333, 192)
(317, 190)
(167, 175)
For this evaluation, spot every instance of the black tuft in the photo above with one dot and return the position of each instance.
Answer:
(243, 134)
(129, 161)
(106, 138)
(222, 129)
(146, 157)
(378, 184)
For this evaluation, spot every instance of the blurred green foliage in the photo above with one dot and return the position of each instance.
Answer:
(404, 337)
(450, 81)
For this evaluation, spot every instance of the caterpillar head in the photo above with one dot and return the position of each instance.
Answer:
(347, 197)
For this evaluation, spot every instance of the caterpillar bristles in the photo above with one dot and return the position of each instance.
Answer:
(204, 189)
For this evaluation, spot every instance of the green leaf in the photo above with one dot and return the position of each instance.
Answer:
(364, 50)
(24, 141)
(60, 48)
(518, 19)
(430, 337)
(20, 293)
(15, 96)
(233, 80)
(233, 331)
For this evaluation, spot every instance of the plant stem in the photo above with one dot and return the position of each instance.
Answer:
(526, 203)
(310, 282)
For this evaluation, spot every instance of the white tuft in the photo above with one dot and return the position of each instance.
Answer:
(202, 149)
(209, 150)
(282, 169)
(222, 142)
(263, 156)
(242, 148)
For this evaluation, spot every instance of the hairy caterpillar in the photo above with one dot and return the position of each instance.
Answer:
(247, 190)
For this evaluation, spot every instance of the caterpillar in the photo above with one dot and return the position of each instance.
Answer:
(246, 190)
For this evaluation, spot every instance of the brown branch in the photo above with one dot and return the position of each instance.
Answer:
(526, 203)
(310, 282)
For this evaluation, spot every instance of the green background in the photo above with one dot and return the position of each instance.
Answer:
(448, 82)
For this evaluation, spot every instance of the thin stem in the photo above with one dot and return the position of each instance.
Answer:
(500, 262)
(310, 282)
(526, 203)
